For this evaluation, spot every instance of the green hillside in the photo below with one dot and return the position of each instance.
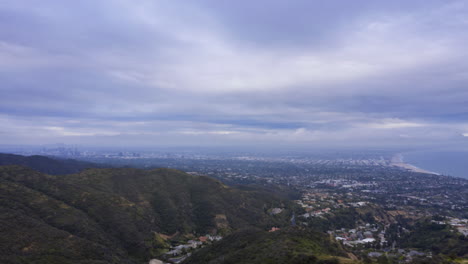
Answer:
(290, 245)
(117, 215)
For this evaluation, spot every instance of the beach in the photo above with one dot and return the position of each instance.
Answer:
(397, 161)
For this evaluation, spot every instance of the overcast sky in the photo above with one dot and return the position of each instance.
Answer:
(218, 72)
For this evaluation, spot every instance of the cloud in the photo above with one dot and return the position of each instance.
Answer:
(394, 124)
(209, 62)
(222, 72)
(15, 57)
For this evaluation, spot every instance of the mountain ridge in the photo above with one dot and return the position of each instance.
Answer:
(116, 215)
(49, 165)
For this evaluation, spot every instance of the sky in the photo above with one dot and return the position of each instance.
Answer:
(234, 73)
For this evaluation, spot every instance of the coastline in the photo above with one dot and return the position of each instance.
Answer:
(397, 161)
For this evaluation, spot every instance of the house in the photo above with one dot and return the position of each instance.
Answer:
(275, 211)
(374, 254)
(274, 229)
(368, 240)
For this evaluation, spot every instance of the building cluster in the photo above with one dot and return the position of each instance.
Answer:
(361, 235)
(180, 252)
(461, 225)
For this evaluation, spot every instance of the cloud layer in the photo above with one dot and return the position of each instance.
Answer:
(309, 73)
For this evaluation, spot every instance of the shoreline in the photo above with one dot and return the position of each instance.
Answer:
(397, 161)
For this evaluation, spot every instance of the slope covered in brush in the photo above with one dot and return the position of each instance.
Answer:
(290, 245)
(117, 215)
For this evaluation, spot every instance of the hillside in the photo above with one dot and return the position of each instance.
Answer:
(117, 215)
(290, 245)
(47, 165)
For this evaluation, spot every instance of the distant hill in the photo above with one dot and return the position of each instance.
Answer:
(47, 165)
(117, 215)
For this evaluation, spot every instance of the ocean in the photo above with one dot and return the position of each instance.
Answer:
(453, 163)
